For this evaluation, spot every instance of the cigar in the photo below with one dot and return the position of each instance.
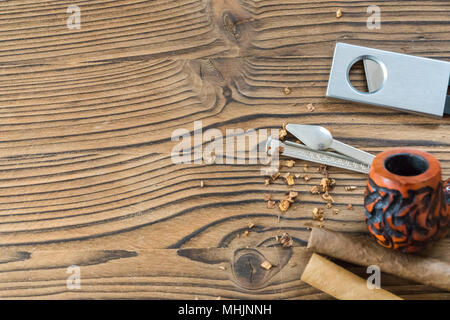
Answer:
(334, 280)
(363, 251)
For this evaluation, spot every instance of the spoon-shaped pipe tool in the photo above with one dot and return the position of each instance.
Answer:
(319, 138)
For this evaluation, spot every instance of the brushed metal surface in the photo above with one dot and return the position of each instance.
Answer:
(410, 83)
(298, 151)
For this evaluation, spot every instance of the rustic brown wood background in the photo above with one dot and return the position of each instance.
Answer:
(86, 118)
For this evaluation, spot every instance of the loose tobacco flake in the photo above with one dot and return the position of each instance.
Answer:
(310, 107)
(270, 204)
(284, 205)
(289, 179)
(286, 240)
(314, 190)
(318, 214)
(266, 265)
(327, 197)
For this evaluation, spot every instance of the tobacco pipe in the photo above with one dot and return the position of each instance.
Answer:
(407, 205)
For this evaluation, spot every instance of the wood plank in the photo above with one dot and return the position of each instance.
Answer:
(86, 151)
(208, 273)
(36, 32)
(131, 29)
(129, 105)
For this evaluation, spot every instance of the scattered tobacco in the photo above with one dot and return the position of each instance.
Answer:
(293, 194)
(327, 197)
(314, 190)
(270, 204)
(327, 184)
(286, 240)
(323, 169)
(289, 179)
(275, 176)
(284, 205)
(318, 214)
(289, 163)
(266, 265)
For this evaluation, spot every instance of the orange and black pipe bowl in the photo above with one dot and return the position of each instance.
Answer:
(407, 205)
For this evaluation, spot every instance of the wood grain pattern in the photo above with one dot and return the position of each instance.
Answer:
(132, 29)
(201, 273)
(86, 118)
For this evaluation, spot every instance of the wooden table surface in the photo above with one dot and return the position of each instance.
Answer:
(86, 118)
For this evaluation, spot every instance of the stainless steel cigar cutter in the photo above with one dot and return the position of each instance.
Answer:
(394, 80)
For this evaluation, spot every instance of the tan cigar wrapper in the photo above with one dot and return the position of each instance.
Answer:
(334, 280)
